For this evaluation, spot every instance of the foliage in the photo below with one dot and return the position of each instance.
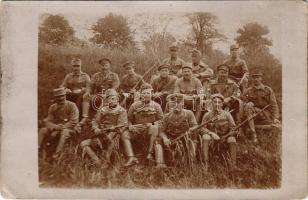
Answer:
(252, 38)
(56, 30)
(113, 31)
(203, 31)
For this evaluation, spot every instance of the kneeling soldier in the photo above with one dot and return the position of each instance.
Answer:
(175, 123)
(109, 121)
(144, 117)
(220, 123)
(61, 120)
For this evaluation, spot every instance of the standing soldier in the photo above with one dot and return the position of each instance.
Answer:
(228, 89)
(144, 117)
(76, 83)
(192, 89)
(163, 85)
(61, 120)
(201, 70)
(130, 84)
(218, 128)
(238, 68)
(109, 121)
(175, 123)
(101, 81)
(256, 98)
(174, 61)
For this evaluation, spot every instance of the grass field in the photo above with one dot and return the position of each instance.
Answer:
(259, 165)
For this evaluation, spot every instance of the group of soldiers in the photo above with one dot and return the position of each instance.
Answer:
(184, 100)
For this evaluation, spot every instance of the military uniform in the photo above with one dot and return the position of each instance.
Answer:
(188, 87)
(144, 118)
(130, 82)
(223, 124)
(175, 65)
(256, 98)
(99, 83)
(174, 124)
(65, 116)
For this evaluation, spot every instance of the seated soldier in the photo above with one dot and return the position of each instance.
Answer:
(192, 89)
(175, 123)
(229, 90)
(101, 81)
(109, 121)
(75, 83)
(256, 98)
(175, 62)
(163, 85)
(201, 70)
(130, 84)
(61, 120)
(217, 129)
(144, 117)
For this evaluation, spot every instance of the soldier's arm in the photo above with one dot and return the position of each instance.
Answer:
(96, 120)
(159, 113)
(274, 105)
(64, 83)
(73, 117)
(122, 120)
(192, 120)
(90, 85)
(199, 87)
(163, 127)
(130, 114)
(230, 120)
(50, 118)
(177, 88)
(115, 82)
(206, 118)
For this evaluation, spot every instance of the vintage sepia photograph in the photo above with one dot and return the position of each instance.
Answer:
(176, 99)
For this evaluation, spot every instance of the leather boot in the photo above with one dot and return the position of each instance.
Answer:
(159, 154)
(129, 153)
(64, 136)
(85, 111)
(205, 151)
(232, 148)
(92, 155)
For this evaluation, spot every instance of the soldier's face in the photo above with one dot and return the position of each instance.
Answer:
(76, 68)
(173, 52)
(60, 100)
(105, 65)
(187, 73)
(256, 80)
(234, 52)
(217, 104)
(164, 72)
(195, 58)
(146, 95)
(222, 74)
(129, 69)
(112, 101)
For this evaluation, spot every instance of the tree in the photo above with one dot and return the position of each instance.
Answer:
(112, 31)
(56, 30)
(255, 43)
(203, 31)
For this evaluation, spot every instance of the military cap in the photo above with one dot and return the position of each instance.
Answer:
(217, 95)
(255, 72)
(174, 46)
(187, 65)
(196, 52)
(175, 97)
(128, 63)
(145, 86)
(163, 66)
(234, 46)
(104, 59)
(223, 67)
(76, 61)
(59, 92)
(111, 92)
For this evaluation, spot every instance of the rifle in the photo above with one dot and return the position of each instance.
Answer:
(242, 123)
(109, 129)
(198, 127)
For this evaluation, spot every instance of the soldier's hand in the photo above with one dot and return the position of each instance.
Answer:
(276, 121)
(214, 136)
(131, 128)
(68, 90)
(87, 95)
(192, 129)
(250, 104)
(97, 131)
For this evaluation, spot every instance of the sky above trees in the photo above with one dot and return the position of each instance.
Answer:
(158, 15)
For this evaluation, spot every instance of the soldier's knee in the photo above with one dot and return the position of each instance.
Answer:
(231, 140)
(206, 137)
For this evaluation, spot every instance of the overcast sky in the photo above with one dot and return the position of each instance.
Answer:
(231, 16)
